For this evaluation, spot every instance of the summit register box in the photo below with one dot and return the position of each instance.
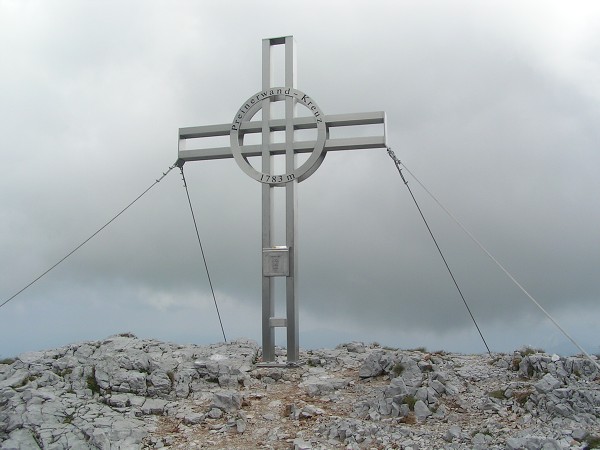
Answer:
(276, 262)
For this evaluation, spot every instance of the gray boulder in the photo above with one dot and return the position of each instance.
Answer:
(547, 384)
(228, 401)
(421, 410)
(374, 365)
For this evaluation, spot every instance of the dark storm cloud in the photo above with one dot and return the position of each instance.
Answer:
(494, 108)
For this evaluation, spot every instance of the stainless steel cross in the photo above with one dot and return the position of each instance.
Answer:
(280, 261)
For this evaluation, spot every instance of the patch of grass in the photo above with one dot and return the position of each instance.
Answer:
(498, 394)
(592, 442)
(398, 369)
(127, 334)
(484, 432)
(28, 380)
(7, 361)
(69, 418)
(410, 419)
(515, 363)
(494, 360)
(521, 397)
(410, 401)
(171, 376)
(418, 349)
(92, 383)
(256, 357)
(526, 351)
(530, 371)
(63, 373)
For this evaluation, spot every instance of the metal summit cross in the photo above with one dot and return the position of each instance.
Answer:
(280, 261)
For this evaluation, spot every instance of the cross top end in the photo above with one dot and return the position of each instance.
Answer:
(244, 125)
(262, 101)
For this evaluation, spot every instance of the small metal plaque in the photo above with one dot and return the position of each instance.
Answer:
(276, 322)
(276, 262)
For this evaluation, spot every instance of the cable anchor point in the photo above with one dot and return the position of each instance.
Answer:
(182, 176)
(397, 162)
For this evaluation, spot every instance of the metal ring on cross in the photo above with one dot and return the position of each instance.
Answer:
(245, 114)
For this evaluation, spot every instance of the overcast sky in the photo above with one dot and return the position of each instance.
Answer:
(494, 106)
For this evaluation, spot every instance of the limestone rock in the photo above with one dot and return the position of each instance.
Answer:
(356, 347)
(421, 410)
(547, 384)
(129, 393)
(228, 401)
(373, 366)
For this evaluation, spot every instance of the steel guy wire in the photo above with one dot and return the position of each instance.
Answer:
(501, 267)
(180, 164)
(158, 180)
(397, 163)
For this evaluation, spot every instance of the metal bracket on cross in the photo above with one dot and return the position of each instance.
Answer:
(280, 261)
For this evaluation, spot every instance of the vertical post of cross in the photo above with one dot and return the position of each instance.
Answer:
(291, 204)
(268, 300)
(268, 306)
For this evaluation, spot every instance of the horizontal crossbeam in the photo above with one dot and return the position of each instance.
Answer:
(355, 143)
(300, 123)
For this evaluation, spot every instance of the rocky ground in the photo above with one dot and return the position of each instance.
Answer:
(128, 393)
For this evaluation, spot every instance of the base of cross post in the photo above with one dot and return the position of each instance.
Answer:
(269, 356)
(287, 365)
